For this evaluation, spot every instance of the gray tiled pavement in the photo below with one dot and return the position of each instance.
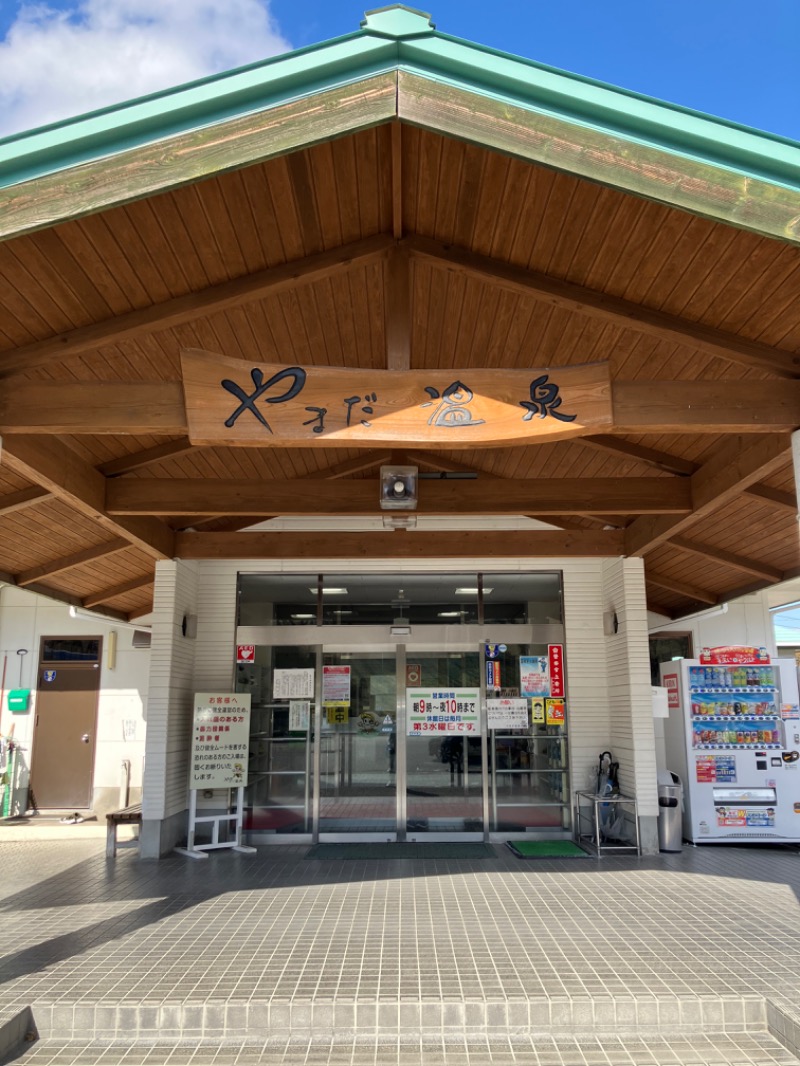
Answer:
(680, 959)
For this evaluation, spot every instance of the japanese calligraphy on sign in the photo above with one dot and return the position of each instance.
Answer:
(220, 740)
(432, 711)
(232, 402)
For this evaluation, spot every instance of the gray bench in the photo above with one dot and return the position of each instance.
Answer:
(131, 815)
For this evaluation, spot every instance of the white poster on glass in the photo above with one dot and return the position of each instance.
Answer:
(293, 684)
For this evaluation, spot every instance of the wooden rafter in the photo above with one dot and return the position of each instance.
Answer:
(398, 311)
(106, 595)
(183, 309)
(737, 465)
(787, 501)
(691, 592)
(658, 608)
(397, 180)
(738, 562)
(22, 500)
(365, 461)
(608, 309)
(69, 562)
(398, 545)
(72, 480)
(673, 464)
(138, 460)
(203, 496)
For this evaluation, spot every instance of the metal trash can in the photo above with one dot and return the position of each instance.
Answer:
(670, 814)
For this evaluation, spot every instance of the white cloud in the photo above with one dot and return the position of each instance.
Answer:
(55, 63)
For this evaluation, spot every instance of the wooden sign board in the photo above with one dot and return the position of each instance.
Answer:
(234, 403)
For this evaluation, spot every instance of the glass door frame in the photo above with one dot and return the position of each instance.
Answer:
(386, 836)
(375, 640)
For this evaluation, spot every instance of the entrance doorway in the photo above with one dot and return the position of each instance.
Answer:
(360, 761)
(68, 685)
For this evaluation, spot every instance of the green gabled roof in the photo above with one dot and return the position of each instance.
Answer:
(670, 153)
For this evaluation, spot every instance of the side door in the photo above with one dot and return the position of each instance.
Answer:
(62, 760)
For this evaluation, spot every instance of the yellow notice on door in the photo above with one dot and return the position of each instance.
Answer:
(537, 709)
(555, 711)
(337, 713)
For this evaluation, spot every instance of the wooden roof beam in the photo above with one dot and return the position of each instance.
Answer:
(398, 310)
(787, 501)
(76, 483)
(183, 309)
(69, 562)
(611, 310)
(659, 608)
(737, 562)
(364, 462)
(158, 408)
(691, 592)
(22, 500)
(202, 496)
(106, 595)
(138, 460)
(398, 545)
(740, 462)
(673, 464)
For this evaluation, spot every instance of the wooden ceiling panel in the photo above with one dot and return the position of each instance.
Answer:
(102, 574)
(658, 255)
(340, 192)
(701, 571)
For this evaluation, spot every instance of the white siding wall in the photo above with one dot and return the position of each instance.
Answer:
(585, 653)
(122, 704)
(172, 685)
(628, 658)
(745, 621)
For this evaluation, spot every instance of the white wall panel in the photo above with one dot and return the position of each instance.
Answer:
(171, 689)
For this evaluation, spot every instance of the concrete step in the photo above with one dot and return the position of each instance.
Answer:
(406, 1019)
(744, 1049)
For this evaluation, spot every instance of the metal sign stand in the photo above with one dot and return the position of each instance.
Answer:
(200, 851)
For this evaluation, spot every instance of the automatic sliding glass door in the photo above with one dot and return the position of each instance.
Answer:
(397, 743)
(445, 750)
(358, 765)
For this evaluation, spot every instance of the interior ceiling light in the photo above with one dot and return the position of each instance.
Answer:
(331, 591)
(304, 616)
(449, 614)
(472, 592)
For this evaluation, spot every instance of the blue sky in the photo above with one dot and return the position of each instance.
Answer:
(730, 58)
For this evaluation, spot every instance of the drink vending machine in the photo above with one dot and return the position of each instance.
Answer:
(733, 736)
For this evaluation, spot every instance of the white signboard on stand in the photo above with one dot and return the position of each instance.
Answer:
(220, 748)
(220, 740)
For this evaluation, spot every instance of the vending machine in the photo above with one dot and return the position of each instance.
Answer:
(733, 737)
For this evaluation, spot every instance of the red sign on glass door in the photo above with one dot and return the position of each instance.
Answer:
(555, 658)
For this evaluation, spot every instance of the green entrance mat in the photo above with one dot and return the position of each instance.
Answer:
(547, 849)
(400, 851)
